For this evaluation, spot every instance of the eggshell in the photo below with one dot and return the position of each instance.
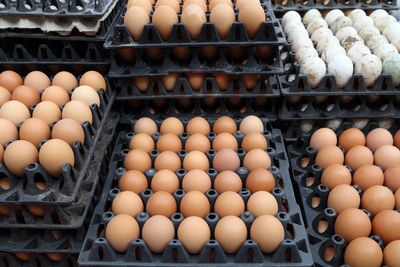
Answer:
(8, 131)
(86, 94)
(14, 111)
(93, 79)
(127, 202)
(252, 16)
(377, 198)
(34, 130)
(54, 154)
(145, 125)
(47, 111)
(230, 233)
(326, 41)
(171, 125)
(196, 160)
(65, 80)
(229, 203)
(332, 15)
(121, 231)
(10, 80)
(198, 125)
(320, 33)
(135, 18)
(224, 124)
(385, 224)
(356, 13)
(18, 154)
(343, 197)
(4, 95)
(311, 15)
(358, 156)
(26, 95)
(137, 159)
(385, 50)
(197, 142)
(378, 137)
(223, 17)
(77, 110)
(145, 4)
(368, 32)
(392, 65)
(382, 23)
(196, 180)
(391, 255)
(356, 52)
(363, 22)
(345, 32)
(262, 203)
(353, 223)
(334, 175)
(367, 176)
(290, 16)
(157, 232)
(268, 232)
(251, 124)
(193, 18)
(227, 181)
(161, 203)
(370, 67)
(134, 181)
(167, 160)
(315, 24)
(391, 32)
(340, 22)
(164, 18)
(315, 69)
(363, 251)
(193, 232)
(56, 94)
(305, 53)
(37, 80)
(165, 180)
(333, 51)
(195, 203)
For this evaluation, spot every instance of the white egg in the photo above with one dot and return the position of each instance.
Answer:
(342, 67)
(320, 33)
(385, 50)
(350, 41)
(362, 23)
(368, 33)
(396, 43)
(360, 123)
(392, 66)
(333, 15)
(292, 25)
(357, 52)
(341, 22)
(356, 13)
(378, 14)
(332, 51)
(370, 66)
(384, 22)
(306, 125)
(315, 24)
(299, 33)
(327, 41)
(392, 31)
(290, 16)
(376, 41)
(301, 42)
(345, 32)
(305, 53)
(315, 69)
(334, 124)
(310, 15)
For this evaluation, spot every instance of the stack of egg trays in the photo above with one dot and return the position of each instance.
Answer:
(67, 198)
(38, 260)
(319, 242)
(97, 251)
(300, 101)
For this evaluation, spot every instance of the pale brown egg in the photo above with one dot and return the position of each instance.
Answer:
(5, 95)
(77, 110)
(363, 251)
(256, 158)
(378, 137)
(195, 203)
(197, 142)
(10, 80)
(224, 124)
(134, 181)
(243, 3)
(196, 180)
(8, 131)
(167, 160)
(226, 160)
(342, 197)
(157, 232)
(230, 233)
(169, 142)
(68, 130)
(224, 140)
(367, 176)
(196, 80)
(137, 159)
(86, 94)
(145, 125)
(351, 137)
(260, 180)
(196, 160)
(37, 80)
(227, 181)
(93, 79)
(358, 156)
(268, 232)
(323, 137)
(254, 140)
(54, 154)
(65, 80)
(200, 3)
(169, 81)
(193, 232)
(26, 95)
(252, 16)
(161, 203)
(262, 203)
(145, 4)
(387, 156)
(165, 180)
(121, 231)
(391, 177)
(193, 18)
(18, 154)
(34, 130)
(352, 223)
(171, 125)
(164, 18)
(214, 3)
(14, 111)
(135, 18)
(386, 224)
(127, 202)
(251, 124)
(334, 175)
(377, 198)
(55, 94)
(142, 141)
(198, 125)
(173, 4)
(222, 16)
(229, 203)
(47, 111)
(391, 253)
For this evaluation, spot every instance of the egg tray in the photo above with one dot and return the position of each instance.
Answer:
(249, 63)
(265, 87)
(38, 260)
(97, 251)
(293, 83)
(270, 33)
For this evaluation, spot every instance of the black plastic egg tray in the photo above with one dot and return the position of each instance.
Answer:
(265, 87)
(270, 33)
(250, 62)
(307, 189)
(96, 250)
(38, 260)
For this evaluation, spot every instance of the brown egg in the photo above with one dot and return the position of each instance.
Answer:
(164, 18)
(54, 154)
(121, 231)
(391, 177)
(193, 232)
(377, 198)
(37, 80)
(222, 16)
(165, 180)
(145, 4)
(223, 80)
(214, 3)
(14, 111)
(195, 203)
(227, 181)
(230, 233)
(252, 16)
(142, 83)
(226, 160)
(18, 154)
(145, 125)
(396, 139)
(169, 81)
(224, 124)
(255, 159)
(386, 224)
(26, 95)
(169, 142)
(171, 125)
(173, 4)
(197, 142)
(241, 3)
(262, 203)
(193, 18)
(127, 202)
(196, 160)
(251, 124)
(367, 176)
(224, 140)
(66, 80)
(77, 110)
(86, 94)
(260, 180)
(22, 256)
(142, 141)
(351, 137)
(8, 131)
(167, 160)
(352, 223)
(343, 197)
(334, 175)
(34, 130)
(161, 203)
(134, 181)
(254, 140)
(200, 3)
(94, 80)
(10, 80)
(229, 203)
(157, 232)
(198, 125)
(387, 156)
(323, 137)
(135, 18)
(379, 137)
(47, 111)
(268, 232)
(358, 156)
(391, 254)
(68, 130)
(196, 80)
(196, 180)
(250, 80)
(363, 251)
(55, 94)
(5, 95)
(137, 159)
(210, 53)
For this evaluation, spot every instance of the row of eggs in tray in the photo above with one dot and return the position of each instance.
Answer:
(354, 43)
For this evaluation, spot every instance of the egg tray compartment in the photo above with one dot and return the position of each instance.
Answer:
(96, 250)
(293, 83)
(270, 33)
(249, 63)
(266, 86)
